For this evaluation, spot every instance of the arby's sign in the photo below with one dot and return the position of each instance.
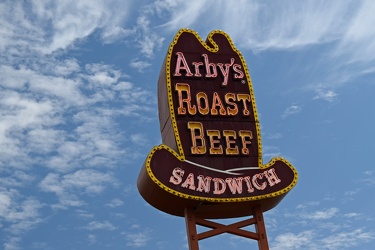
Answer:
(211, 155)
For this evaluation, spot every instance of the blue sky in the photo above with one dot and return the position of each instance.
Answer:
(78, 108)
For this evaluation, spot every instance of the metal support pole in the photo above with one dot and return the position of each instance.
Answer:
(191, 229)
(260, 228)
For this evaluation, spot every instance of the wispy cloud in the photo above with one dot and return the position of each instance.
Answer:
(139, 65)
(342, 31)
(270, 151)
(139, 139)
(115, 203)
(320, 229)
(357, 43)
(326, 95)
(259, 25)
(68, 187)
(274, 136)
(369, 179)
(92, 239)
(18, 214)
(97, 225)
(347, 239)
(322, 214)
(63, 23)
(313, 240)
(139, 239)
(291, 110)
(148, 40)
(290, 241)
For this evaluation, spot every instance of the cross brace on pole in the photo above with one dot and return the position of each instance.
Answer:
(217, 228)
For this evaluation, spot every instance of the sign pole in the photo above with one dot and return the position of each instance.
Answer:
(260, 228)
(216, 228)
(191, 229)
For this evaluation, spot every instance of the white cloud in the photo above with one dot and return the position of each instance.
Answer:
(326, 95)
(129, 190)
(369, 172)
(20, 112)
(66, 67)
(28, 209)
(92, 239)
(147, 40)
(72, 20)
(58, 25)
(358, 42)
(369, 179)
(139, 139)
(5, 202)
(308, 204)
(123, 86)
(139, 65)
(137, 240)
(100, 74)
(37, 103)
(347, 239)
(24, 78)
(18, 213)
(17, 178)
(115, 203)
(12, 243)
(116, 33)
(352, 192)
(42, 95)
(319, 229)
(44, 141)
(274, 136)
(314, 240)
(184, 14)
(291, 241)
(69, 187)
(162, 6)
(293, 109)
(322, 214)
(341, 30)
(90, 181)
(96, 225)
(84, 214)
(270, 152)
(352, 215)
(260, 25)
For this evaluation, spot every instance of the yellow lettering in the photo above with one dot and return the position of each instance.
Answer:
(230, 135)
(184, 88)
(216, 102)
(202, 98)
(214, 148)
(229, 99)
(246, 137)
(197, 135)
(244, 98)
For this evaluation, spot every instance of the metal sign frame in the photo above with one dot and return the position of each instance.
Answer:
(193, 237)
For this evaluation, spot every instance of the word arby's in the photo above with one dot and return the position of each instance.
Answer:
(217, 186)
(210, 68)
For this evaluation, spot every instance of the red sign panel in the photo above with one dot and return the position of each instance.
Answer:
(211, 156)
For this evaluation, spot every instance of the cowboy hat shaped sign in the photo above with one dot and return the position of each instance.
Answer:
(211, 156)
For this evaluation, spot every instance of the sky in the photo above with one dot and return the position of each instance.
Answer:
(78, 108)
